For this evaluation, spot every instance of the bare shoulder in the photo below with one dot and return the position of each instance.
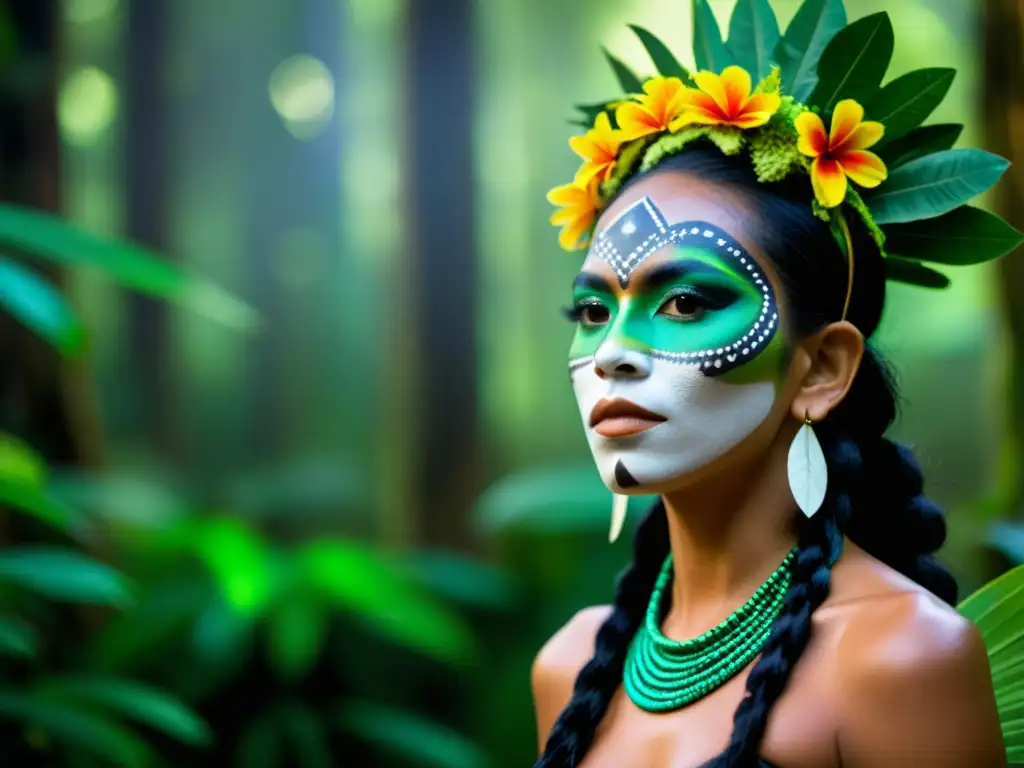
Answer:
(565, 653)
(914, 678)
(559, 662)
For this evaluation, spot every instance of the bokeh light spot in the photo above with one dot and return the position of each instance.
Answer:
(302, 93)
(87, 105)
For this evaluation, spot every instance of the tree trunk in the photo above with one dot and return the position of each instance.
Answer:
(441, 65)
(1003, 114)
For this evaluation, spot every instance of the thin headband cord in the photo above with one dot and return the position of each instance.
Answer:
(849, 260)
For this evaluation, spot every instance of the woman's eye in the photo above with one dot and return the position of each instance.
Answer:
(593, 314)
(683, 307)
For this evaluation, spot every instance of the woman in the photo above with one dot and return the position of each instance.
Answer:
(722, 328)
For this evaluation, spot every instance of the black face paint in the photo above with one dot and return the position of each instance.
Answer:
(622, 477)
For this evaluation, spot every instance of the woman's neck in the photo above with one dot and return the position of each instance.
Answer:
(727, 537)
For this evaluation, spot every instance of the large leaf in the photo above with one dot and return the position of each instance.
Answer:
(590, 113)
(933, 185)
(80, 730)
(19, 463)
(33, 501)
(965, 235)
(907, 101)
(629, 81)
(911, 272)
(354, 577)
(708, 49)
(298, 628)
(853, 64)
(130, 700)
(39, 234)
(920, 142)
(37, 305)
(239, 560)
(548, 500)
(17, 638)
(261, 744)
(307, 736)
(407, 736)
(62, 574)
(664, 60)
(997, 610)
(753, 36)
(458, 578)
(815, 24)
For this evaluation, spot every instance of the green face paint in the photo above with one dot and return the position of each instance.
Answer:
(695, 301)
(693, 340)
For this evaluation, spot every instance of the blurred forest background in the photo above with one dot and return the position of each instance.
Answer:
(297, 478)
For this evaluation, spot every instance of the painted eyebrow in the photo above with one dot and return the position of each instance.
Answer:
(592, 281)
(671, 271)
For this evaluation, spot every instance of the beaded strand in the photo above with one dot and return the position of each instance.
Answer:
(662, 675)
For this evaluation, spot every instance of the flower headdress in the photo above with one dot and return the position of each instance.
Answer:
(818, 109)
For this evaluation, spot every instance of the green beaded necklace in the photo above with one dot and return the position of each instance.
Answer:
(662, 675)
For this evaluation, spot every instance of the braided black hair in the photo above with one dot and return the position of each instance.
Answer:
(875, 485)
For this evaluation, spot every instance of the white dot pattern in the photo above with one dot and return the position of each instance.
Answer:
(650, 235)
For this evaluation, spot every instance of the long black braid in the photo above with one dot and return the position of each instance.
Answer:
(875, 485)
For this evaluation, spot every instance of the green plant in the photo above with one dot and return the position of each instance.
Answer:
(56, 708)
(41, 307)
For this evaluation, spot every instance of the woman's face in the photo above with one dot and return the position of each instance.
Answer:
(677, 357)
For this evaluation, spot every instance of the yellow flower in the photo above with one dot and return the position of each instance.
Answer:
(726, 100)
(599, 148)
(578, 205)
(656, 111)
(841, 153)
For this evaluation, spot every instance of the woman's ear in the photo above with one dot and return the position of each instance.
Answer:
(833, 358)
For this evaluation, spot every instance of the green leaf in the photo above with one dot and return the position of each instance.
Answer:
(461, 579)
(80, 730)
(629, 81)
(261, 744)
(239, 560)
(912, 272)
(965, 235)
(354, 577)
(933, 185)
(62, 574)
(34, 502)
(41, 235)
(907, 101)
(307, 735)
(405, 735)
(131, 700)
(920, 142)
(17, 638)
(664, 60)
(753, 36)
(19, 463)
(590, 113)
(298, 628)
(39, 306)
(853, 64)
(709, 51)
(815, 24)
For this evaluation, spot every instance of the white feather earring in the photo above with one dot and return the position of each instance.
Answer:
(808, 474)
(619, 505)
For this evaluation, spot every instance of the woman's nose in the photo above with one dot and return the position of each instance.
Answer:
(617, 360)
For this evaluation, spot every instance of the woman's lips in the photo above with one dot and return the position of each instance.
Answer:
(618, 417)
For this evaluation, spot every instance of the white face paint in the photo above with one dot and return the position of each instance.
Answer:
(686, 329)
(705, 416)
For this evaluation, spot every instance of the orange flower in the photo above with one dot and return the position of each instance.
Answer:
(658, 110)
(726, 100)
(841, 152)
(599, 148)
(578, 204)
